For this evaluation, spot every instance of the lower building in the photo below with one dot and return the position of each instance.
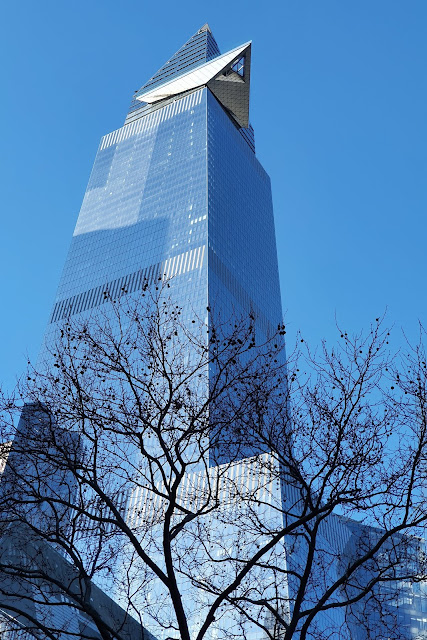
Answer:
(43, 595)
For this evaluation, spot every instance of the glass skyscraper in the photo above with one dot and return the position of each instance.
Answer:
(178, 192)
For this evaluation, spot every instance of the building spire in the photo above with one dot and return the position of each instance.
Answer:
(227, 76)
(200, 48)
(199, 63)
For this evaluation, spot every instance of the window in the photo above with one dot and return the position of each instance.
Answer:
(239, 66)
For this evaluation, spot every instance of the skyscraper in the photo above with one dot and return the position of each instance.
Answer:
(178, 193)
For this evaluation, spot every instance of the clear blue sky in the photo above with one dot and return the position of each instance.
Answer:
(339, 106)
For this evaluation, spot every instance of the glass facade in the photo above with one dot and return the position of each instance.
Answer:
(242, 259)
(144, 212)
(178, 192)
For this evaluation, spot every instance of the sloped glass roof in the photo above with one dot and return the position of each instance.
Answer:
(200, 48)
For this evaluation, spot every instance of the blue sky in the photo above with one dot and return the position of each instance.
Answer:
(339, 109)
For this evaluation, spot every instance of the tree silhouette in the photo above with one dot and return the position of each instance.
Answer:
(211, 485)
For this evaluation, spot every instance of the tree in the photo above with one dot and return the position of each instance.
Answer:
(212, 485)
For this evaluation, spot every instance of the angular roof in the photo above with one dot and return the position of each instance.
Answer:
(226, 75)
(231, 86)
(200, 48)
(196, 64)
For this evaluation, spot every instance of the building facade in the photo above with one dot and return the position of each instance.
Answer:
(41, 590)
(178, 194)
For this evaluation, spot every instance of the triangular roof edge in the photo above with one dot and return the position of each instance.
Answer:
(180, 57)
(198, 76)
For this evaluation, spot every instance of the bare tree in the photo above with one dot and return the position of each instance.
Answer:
(212, 486)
